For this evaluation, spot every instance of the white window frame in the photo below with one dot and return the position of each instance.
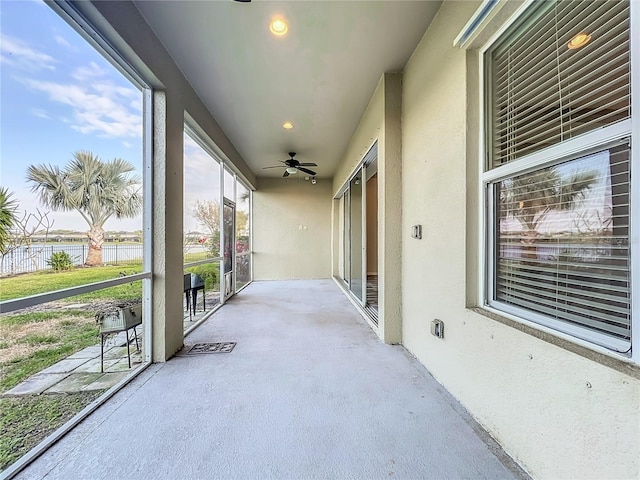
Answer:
(192, 129)
(574, 148)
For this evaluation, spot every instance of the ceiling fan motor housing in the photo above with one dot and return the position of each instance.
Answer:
(292, 163)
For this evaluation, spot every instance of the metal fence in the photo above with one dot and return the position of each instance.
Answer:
(34, 257)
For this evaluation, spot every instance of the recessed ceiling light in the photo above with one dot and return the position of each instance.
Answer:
(278, 27)
(287, 125)
(580, 40)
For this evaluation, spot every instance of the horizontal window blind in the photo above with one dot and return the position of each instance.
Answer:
(543, 92)
(562, 242)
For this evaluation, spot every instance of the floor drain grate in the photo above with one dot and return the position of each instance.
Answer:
(221, 347)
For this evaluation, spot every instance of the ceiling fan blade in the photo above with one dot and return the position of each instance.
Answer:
(273, 166)
(308, 164)
(306, 170)
(286, 174)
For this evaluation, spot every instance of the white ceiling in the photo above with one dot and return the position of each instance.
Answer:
(320, 76)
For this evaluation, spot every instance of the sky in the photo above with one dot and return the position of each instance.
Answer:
(201, 181)
(58, 95)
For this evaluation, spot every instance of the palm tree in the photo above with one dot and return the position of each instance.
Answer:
(530, 197)
(7, 217)
(97, 190)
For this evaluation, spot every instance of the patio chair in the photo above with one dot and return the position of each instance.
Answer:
(187, 292)
(197, 283)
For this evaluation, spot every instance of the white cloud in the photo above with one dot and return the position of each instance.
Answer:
(136, 104)
(38, 112)
(88, 72)
(15, 52)
(190, 144)
(60, 40)
(95, 108)
(127, 144)
(201, 180)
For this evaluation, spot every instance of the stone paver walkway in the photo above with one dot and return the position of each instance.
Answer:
(80, 372)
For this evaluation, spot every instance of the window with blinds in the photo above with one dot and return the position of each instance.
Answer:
(562, 242)
(562, 71)
(559, 232)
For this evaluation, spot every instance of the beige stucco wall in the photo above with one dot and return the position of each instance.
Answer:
(559, 414)
(368, 131)
(167, 309)
(291, 229)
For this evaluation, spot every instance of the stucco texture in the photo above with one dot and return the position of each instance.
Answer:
(291, 229)
(559, 414)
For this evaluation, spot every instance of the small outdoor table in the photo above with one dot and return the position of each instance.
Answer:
(121, 320)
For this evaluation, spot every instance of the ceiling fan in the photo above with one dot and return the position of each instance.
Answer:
(292, 166)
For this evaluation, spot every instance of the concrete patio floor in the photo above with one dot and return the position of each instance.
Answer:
(308, 392)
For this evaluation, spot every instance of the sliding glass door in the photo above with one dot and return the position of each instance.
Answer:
(360, 238)
(356, 222)
(346, 265)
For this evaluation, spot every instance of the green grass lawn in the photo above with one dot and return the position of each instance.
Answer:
(34, 340)
(44, 281)
(26, 421)
(61, 334)
(39, 340)
(57, 333)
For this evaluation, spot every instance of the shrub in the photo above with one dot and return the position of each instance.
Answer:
(213, 245)
(209, 272)
(60, 261)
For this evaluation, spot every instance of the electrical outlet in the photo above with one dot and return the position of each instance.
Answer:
(437, 328)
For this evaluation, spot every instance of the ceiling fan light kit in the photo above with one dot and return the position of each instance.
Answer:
(292, 166)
